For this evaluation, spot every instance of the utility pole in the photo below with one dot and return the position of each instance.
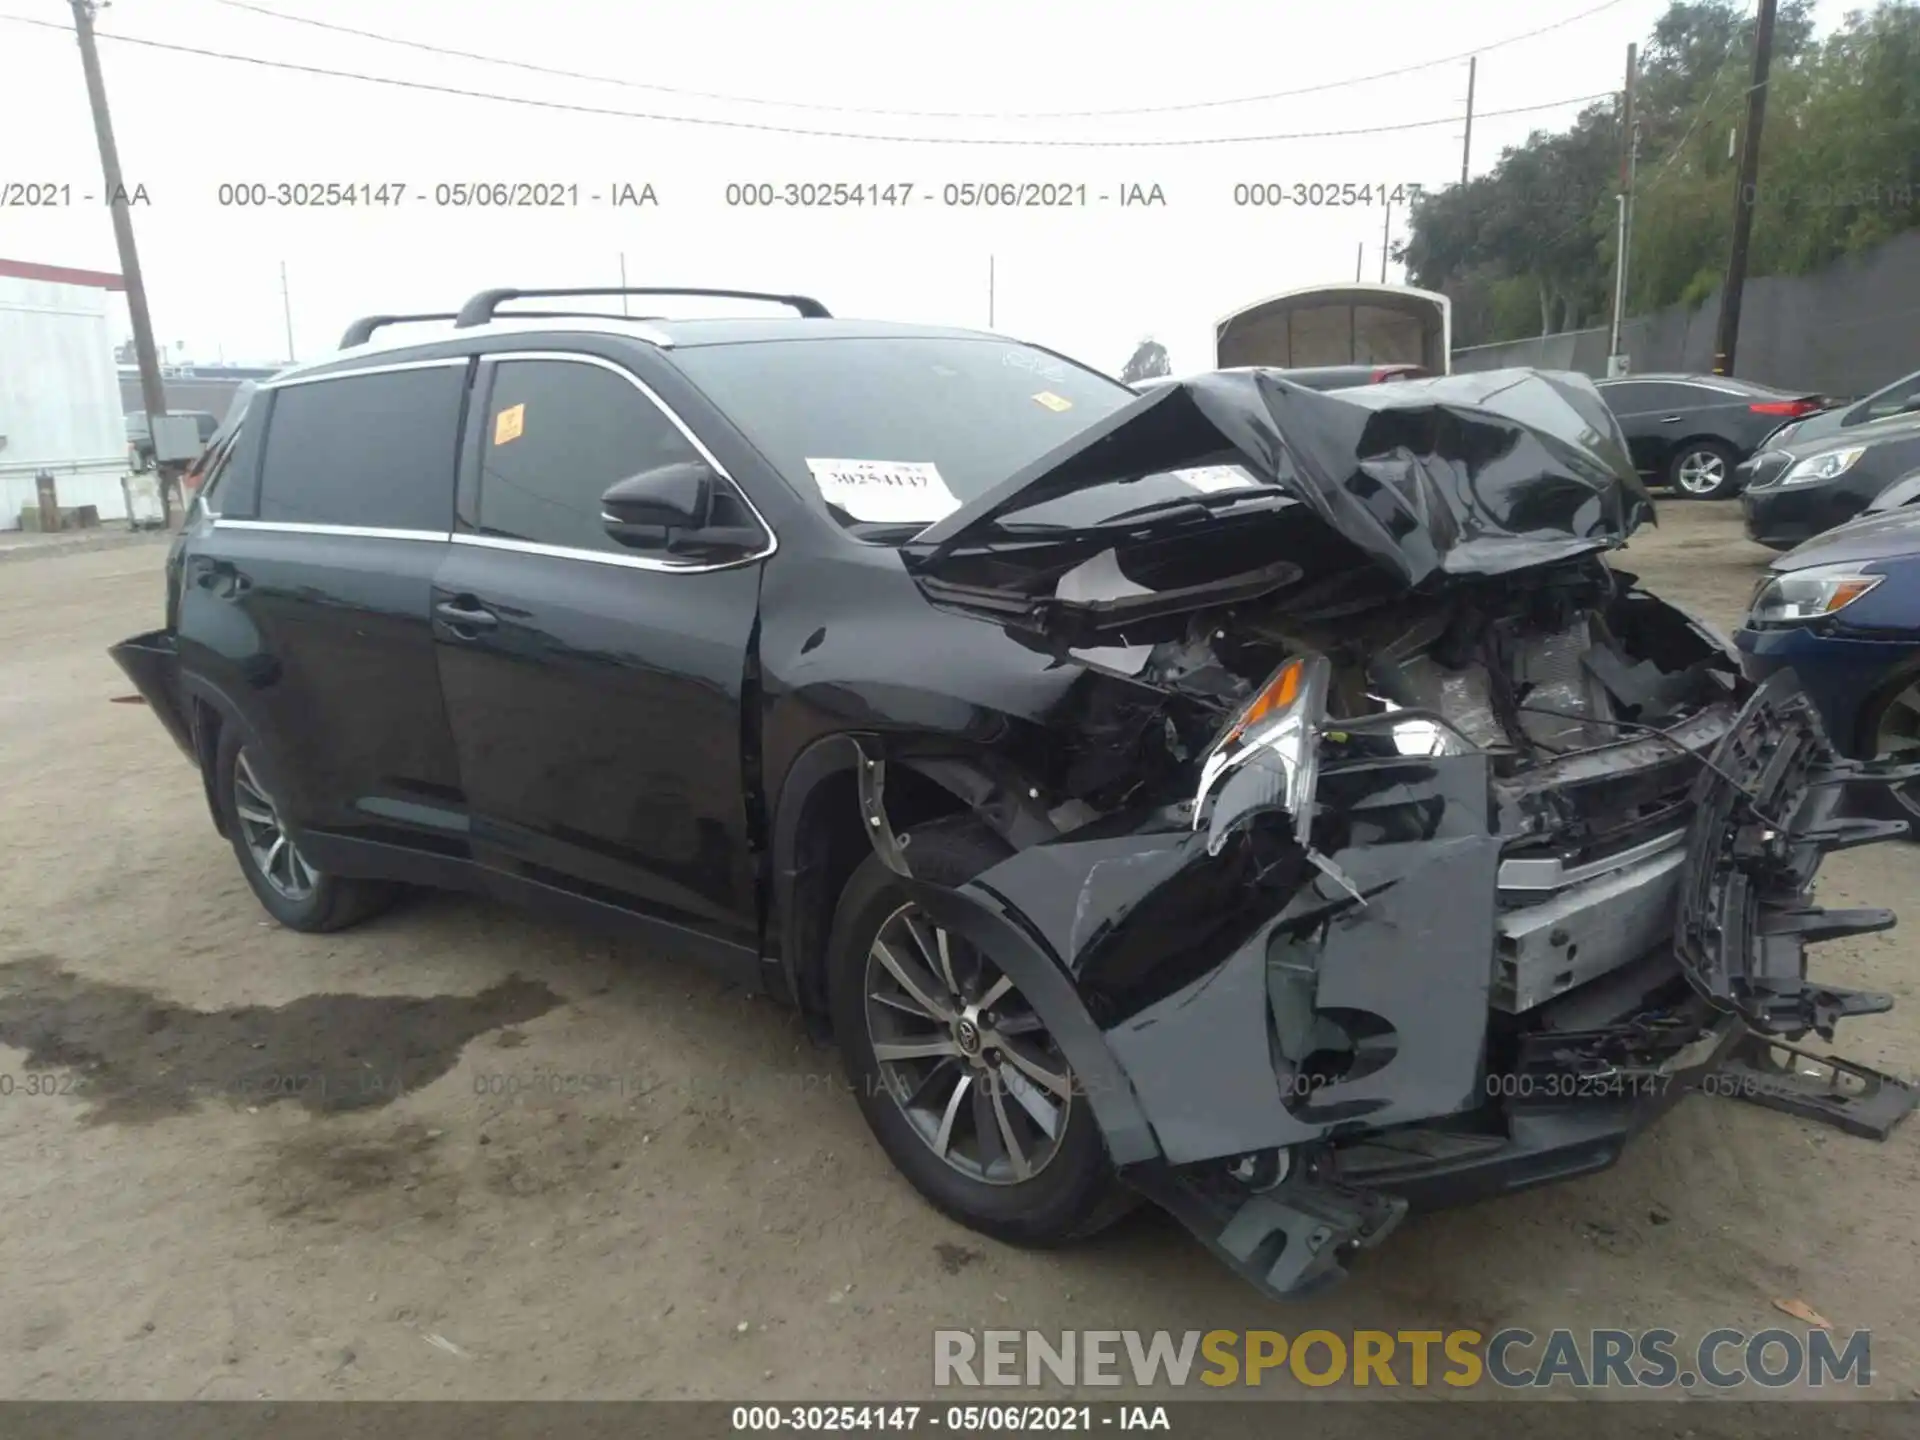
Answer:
(1386, 233)
(286, 308)
(1623, 201)
(152, 394)
(1466, 145)
(1743, 197)
(623, 282)
(1359, 258)
(990, 292)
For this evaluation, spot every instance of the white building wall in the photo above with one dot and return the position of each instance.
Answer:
(59, 398)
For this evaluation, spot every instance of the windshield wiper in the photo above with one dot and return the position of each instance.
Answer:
(885, 530)
(1204, 503)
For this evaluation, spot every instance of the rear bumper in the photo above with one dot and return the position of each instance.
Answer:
(152, 662)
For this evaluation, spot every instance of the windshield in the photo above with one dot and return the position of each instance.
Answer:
(897, 432)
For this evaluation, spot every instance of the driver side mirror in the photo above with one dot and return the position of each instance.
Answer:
(683, 508)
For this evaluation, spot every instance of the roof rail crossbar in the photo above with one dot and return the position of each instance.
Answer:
(362, 329)
(480, 309)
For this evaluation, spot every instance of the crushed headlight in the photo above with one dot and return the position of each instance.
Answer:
(1268, 756)
(1827, 465)
(1802, 595)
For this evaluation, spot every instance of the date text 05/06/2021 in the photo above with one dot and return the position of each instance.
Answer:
(978, 194)
(901, 1419)
(319, 193)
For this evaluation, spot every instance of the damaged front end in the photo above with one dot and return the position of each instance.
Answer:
(1403, 850)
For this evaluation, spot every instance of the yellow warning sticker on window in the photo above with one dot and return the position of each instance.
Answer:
(508, 424)
(1053, 401)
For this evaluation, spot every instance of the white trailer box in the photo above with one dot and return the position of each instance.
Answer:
(59, 390)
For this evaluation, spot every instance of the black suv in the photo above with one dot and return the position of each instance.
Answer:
(1265, 801)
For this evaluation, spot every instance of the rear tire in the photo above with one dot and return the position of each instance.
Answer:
(1702, 470)
(1061, 1187)
(289, 888)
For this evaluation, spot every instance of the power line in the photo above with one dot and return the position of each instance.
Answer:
(751, 125)
(918, 114)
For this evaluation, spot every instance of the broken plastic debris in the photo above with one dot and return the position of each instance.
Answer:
(1802, 1311)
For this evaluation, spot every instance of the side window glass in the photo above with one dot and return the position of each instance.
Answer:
(558, 434)
(1895, 400)
(233, 489)
(216, 472)
(1664, 398)
(1626, 398)
(1698, 397)
(366, 450)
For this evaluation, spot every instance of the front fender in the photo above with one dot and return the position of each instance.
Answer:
(990, 789)
(1210, 990)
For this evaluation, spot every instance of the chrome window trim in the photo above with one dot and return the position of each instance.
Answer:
(602, 557)
(302, 527)
(607, 557)
(446, 362)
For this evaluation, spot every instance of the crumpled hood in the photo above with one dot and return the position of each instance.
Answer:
(1463, 475)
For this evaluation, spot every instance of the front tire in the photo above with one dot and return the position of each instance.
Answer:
(1702, 470)
(294, 892)
(957, 1076)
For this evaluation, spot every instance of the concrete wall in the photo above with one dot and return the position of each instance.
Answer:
(1845, 330)
(59, 398)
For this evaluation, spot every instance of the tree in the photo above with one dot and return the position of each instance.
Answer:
(1528, 247)
(1149, 361)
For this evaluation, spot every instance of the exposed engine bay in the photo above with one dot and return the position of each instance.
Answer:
(1540, 672)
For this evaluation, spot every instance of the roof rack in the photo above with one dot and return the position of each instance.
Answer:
(480, 309)
(362, 329)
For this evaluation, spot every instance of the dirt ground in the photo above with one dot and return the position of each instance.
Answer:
(434, 1216)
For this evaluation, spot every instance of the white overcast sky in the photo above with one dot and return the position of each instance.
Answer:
(1091, 282)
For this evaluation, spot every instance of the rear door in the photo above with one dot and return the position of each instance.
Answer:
(1654, 415)
(306, 600)
(594, 689)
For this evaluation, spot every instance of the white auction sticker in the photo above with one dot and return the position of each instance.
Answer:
(1210, 478)
(885, 490)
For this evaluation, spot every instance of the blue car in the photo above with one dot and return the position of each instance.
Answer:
(1843, 611)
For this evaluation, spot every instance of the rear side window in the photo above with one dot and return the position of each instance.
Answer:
(558, 434)
(1696, 396)
(1639, 397)
(375, 451)
(1892, 400)
(232, 485)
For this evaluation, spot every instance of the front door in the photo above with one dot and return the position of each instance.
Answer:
(594, 689)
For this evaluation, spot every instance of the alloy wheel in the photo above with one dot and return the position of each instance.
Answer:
(962, 1054)
(1701, 472)
(1899, 736)
(280, 864)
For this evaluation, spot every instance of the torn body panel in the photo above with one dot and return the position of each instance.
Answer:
(1467, 974)
(1380, 844)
